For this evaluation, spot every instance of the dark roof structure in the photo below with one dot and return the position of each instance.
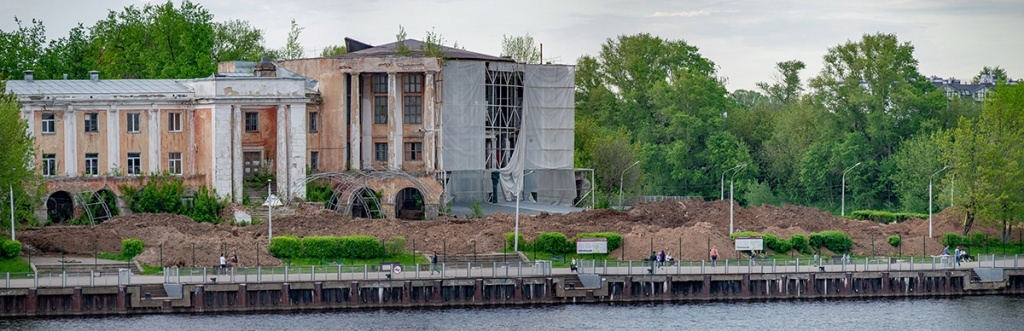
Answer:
(361, 50)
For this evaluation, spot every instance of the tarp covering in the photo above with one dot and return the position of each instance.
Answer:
(463, 115)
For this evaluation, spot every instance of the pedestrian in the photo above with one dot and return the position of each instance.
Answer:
(661, 259)
(234, 259)
(654, 262)
(223, 263)
(572, 265)
(816, 258)
(433, 264)
(714, 256)
(956, 255)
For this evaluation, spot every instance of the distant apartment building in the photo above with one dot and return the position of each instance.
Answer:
(954, 88)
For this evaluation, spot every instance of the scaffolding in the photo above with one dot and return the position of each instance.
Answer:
(503, 90)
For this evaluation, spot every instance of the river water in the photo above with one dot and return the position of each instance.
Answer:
(966, 313)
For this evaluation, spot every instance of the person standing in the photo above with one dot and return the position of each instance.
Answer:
(572, 266)
(714, 256)
(956, 255)
(654, 262)
(223, 263)
(433, 264)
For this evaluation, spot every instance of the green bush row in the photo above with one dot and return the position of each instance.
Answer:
(10, 249)
(879, 216)
(835, 240)
(132, 247)
(347, 247)
(973, 239)
(166, 194)
(559, 243)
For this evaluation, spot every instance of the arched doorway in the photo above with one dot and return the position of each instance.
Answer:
(409, 204)
(366, 204)
(60, 207)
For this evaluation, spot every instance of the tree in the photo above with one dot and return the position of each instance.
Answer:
(520, 48)
(916, 160)
(71, 55)
(997, 74)
(332, 50)
(237, 40)
(787, 85)
(21, 48)
(292, 49)
(401, 49)
(986, 155)
(16, 152)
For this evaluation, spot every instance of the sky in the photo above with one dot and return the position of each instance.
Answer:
(745, 39)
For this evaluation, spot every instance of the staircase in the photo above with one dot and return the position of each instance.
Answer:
(986, 279)
(153, 291)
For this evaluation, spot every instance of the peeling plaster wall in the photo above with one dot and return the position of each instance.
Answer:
(92, 142)
(134, 142)
(331, 138)
(176, 142)
(49, 143)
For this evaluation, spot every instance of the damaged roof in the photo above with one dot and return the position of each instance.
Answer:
(415, 46)
(104, 86)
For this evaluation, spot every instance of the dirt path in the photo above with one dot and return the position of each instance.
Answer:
(692, 225)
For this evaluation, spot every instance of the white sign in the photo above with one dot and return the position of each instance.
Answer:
(749, 244)
(592, 246)
(273, 201)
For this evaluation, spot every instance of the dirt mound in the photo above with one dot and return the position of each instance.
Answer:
(686, 229)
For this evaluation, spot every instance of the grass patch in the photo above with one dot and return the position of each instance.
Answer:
(112, 256)
(405, 258)
(17, 264)
(152, 270)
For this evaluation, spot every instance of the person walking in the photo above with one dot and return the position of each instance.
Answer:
(956, 255)
(714, 256)
(572, 266)
(433, 264)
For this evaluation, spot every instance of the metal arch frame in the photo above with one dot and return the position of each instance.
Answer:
(80, 197)
(354, 182)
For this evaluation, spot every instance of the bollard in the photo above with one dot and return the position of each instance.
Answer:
(259, 274)
(911, 263)
(798, 264)
(888, 264)
(701, 267)
(286, 273)
(520, 271)
(35, 278)
(773, 265)
(629, 270)
(312, 273)
(726, 265)
(204, 274)
(365, 275)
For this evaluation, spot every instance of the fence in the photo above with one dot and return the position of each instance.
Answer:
(497, 270)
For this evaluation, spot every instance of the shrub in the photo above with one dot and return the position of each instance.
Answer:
(976, 239)
(394, 246)
(799, 243)
(884, 216)
(952, 239)
(776, 244)
(614, 239)
(553, 242)
(285, 247)
(318, 191)
(165, 193)
(10, 249)
(360, 247)
(835, 240)
(743, 234)
(206, 207)
(815, 240)
(132, 247)
(895, 240)
(510, 243)
(320, 247)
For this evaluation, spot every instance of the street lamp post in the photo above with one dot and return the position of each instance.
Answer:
(722, 195)
(732, 202)
(11, 188)
(842, 208)
(930, 199)
(519, 190)
(270, 215)
(620, 181)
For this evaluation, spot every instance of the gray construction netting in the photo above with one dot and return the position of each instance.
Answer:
(545, 146)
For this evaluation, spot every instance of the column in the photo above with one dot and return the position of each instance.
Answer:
(342, 130)
(71, 142)
(236, 153)
(30, 118)
(355, 131)
(154, 139)
(394, 124)
(429, 131)
(113, 139)
(296, 149)
(281, 154)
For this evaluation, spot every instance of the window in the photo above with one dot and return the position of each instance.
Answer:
(174, 163)
(314, 121)
(92, 164)
(413, 106)
(48, 123)
(92, 122)
(134, 163)
(380, 84)
(132, 122)
(414, 151)
(174, 122)
(412, 83)
(252, 121)
(49, 164)
(314, 161)
(380, 110)
(380, 152)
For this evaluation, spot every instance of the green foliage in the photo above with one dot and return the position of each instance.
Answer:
(976, 239)
(401, 49)
(16, 151)
(166, 194)
(614, 239)
(132, 247)
(477, 211)
(760, 194)
(360, 247)
(895, 240)
(553, 242)
(777, 245)
(292, 49)
(237, 40)
(520, 48)
(433, 45)
(836, 241)
(395, 246)
(510, 241)
(884, 216)
(799, 243)
(319, 247)
(285, 247)
(206, 207)
(332, 50)
(952, 240)
(318, 191)
(9, 249)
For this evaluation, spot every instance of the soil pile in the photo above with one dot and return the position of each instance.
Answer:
(684, 228)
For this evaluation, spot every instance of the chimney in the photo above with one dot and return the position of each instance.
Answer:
(94, 75)
(29, 75)
(265, 68)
